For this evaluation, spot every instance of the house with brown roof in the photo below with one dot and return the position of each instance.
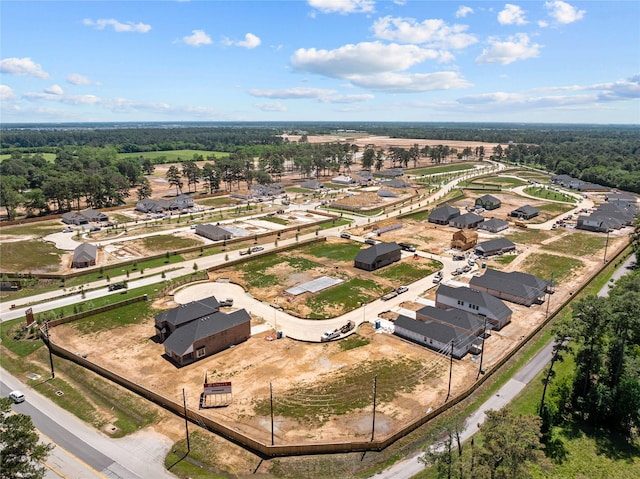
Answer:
(84, 255)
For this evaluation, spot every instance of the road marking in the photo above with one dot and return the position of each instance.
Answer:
(73, 456)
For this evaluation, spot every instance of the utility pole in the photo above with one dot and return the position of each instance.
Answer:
(450, 370)
(606, 244)
(46, 328)
(549, 296)
(186, 420)
(271, 400)
(375, 392)
(484, 334)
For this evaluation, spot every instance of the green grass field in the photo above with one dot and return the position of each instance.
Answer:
(443, 169)
(406, 273)
(173, 156)
(547, 194)
(546, 266)
(347, 296)
(50, 157)
(29, 256)
(578, 244)
(341, 252)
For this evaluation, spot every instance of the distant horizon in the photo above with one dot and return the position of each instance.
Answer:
(482, 61)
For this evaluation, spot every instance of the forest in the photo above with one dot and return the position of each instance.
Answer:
(92, 163)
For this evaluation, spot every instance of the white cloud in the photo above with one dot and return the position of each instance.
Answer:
(22, 67)
(360, 59)
(293, 93)
(343, 6)
(250, 41)
(77, 79)
(6, 93)
(54, 90)
(512, 15)
(197, 38)
(463, 11)
(516, 47)
(432, 32)
(118, 26)
(410, 82)
(348, 99)
(271, 107)
(564, 13)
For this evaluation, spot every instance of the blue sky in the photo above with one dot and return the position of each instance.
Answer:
(320, 60)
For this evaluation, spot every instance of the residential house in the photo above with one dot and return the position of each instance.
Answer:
(84, 255)
(525, 212)
(213, 232)
(466, 221)
(167, 322)
(377, 256)
(343, 180)
(390, 172)
(515, 286)
(384, 193)
(266, 191)
(488, 202)
(464, 239)
(94, 215)
(474, 302)
(494, 225)
(207, 335)
(311, 185)
(494, 246)
(181, 202)
(443, 214)
(148, 205)
(471, 324)
(435, 335)
(395, 183)
(74, 219)
(608, 216)
(621, 198)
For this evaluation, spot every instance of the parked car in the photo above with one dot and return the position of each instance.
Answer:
(369, 241)
(255, 249)
(16, 396)
(345, 235)
(402, 289)
(458, 257)
(116, 286)
(347, 327)
(226, 303)
(438, 277)
(407, 247)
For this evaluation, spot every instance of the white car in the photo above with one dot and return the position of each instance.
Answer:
(16, 396)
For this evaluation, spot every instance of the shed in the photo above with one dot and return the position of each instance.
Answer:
(84, 255)
(377, 256)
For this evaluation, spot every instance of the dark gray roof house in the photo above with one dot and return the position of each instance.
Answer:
(467, 220)
(384, 193)
(377, 256)
(621, 197)
(389, 173)
(436, 335)
(74, 219)
(395, 183)
(488, 202)
(94, 215)
(207, 335)
(608, 216)
(311, 185)
(494, 246)
(494, 225)
(148, 205)
(525, 212)
(84, 255)
(213, 232)
(474, 302)
(168, 321)
(515, 286)
(443, 215)
(467, 322)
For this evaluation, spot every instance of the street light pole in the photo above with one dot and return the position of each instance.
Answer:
(450, 370)
(606, 244)
(484, 334)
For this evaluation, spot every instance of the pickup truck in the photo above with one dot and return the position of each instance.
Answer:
(402, 289)
(407, 247)
(438, 277)
(329, 335)
(226, 303)
(389, 296)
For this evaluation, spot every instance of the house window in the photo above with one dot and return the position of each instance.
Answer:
(200, 352)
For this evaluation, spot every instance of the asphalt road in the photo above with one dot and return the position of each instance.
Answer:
(82, 452)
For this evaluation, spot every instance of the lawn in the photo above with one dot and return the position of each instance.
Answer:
(173, 156)
(548, 194)
(29, 256)
(418, 215)
(337, 252)
(577, 244)
(33, 229)
(409, 272)
(219, 202)
(443, 169)
(162, 243)
(529, 236)
(50, 157)
(346, 296)
(547, 266)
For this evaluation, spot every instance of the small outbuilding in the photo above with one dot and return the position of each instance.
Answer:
(378, 256)
(84, 255)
